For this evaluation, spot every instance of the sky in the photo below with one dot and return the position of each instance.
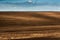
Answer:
(17, 7)
(21, 1)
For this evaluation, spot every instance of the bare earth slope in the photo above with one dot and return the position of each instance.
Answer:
(20, 25)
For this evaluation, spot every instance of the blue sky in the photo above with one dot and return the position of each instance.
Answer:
(32, 0)
(40, 7)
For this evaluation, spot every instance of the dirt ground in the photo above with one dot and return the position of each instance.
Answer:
(30, 25)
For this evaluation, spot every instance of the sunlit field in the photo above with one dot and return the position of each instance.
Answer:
(29, 25)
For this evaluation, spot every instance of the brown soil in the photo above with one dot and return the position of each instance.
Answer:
(23, 25)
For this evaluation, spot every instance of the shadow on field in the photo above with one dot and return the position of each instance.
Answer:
(29, 19)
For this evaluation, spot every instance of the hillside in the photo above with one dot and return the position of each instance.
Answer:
(20, 25)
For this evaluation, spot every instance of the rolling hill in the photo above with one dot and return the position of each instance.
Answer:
(20, 25)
